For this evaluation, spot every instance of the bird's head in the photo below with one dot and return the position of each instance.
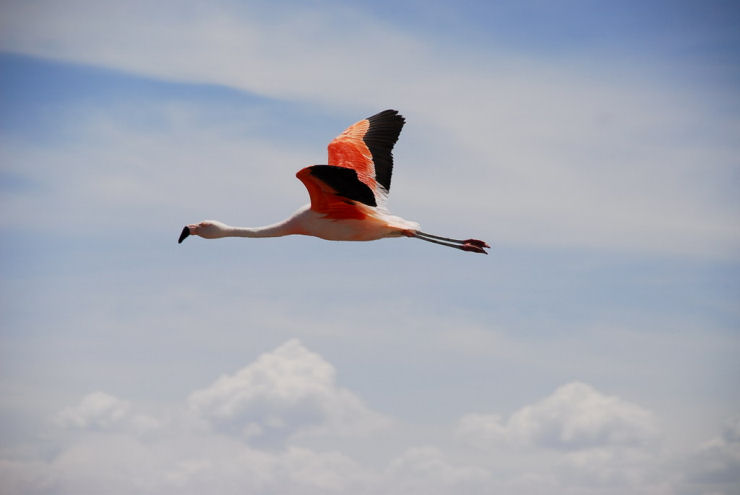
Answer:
(208, 229)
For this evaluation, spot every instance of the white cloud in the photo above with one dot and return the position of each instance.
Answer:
(576, 441)
(202, 43)
(95, 410)
(617, 469)
(180, 463)
(325, 472)
(576, 416)
(292, 390)
(99, 411)
(428, 470)
(582, 441)
(286, 392)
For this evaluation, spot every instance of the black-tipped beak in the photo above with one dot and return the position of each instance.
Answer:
(185, 232)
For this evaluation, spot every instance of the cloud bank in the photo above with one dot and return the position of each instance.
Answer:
(576, 440)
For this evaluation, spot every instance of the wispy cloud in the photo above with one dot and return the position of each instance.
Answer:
(717, 461)
(544, 153)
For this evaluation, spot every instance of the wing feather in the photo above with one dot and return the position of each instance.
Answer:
(367, 148)
(335, 191)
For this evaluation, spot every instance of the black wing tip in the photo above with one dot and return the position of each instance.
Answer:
(345, 182)
(390, 116)
(381, 136)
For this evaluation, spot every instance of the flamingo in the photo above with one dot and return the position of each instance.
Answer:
(347, 196)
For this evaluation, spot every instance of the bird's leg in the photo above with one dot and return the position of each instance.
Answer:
(472, 245)
(474, 242)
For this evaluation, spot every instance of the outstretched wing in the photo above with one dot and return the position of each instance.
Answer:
(335, 191)
(366, 147)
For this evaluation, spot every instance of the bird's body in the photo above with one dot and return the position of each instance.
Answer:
(372, 226)
(347, 196)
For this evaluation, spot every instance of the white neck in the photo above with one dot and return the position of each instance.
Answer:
(275, 230)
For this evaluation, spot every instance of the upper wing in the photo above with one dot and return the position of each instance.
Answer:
(366, 147)
(334, 190)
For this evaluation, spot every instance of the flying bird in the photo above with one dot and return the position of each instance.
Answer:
(348, 195)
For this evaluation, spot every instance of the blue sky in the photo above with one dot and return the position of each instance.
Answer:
(593, 351)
